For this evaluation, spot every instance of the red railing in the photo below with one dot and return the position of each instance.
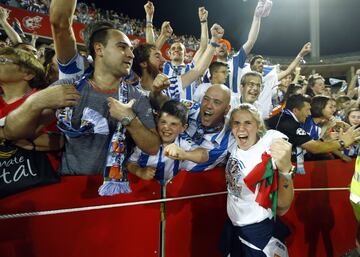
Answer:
(321, 218)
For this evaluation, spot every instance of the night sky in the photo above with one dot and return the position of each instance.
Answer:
(283, 33)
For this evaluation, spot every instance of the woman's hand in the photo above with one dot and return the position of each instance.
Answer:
(281, 154)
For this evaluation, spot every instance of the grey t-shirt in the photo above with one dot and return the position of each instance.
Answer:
(86, 155)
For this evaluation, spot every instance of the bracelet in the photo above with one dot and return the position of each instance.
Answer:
(149, 22)
(214, 44)
(203, 21)
(290, 174)
(301, 57)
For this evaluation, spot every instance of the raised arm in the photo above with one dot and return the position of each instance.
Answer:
(166, 29)
(10, 32)
(262, 10)
(281, 154)
(303, 52)
(204, 61)
(149, 28)
(165, 34)
(157, 97)
(297, 75)
(34, 38)
(204, 38)
(61, 19)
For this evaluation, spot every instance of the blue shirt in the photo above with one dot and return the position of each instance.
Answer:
(313, 130)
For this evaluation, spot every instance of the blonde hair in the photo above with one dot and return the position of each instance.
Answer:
(27, 63)
(254, 113)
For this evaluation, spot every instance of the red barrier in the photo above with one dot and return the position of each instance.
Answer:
(131, 230)
(321, 222)
(32, 22)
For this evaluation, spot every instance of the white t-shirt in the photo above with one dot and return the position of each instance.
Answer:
(242, 207)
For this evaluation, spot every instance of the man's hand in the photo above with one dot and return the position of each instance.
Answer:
(263, 8)
(120, 110)
(305, 50)
(217, 32)
(160, 83)
(166, 29)
(281, 154)
(350, 136)
(330, 135)
(146, 173)
(55, 97)
(149, 10)
(203, 14)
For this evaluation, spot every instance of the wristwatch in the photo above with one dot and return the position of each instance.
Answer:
(342, 144)
(290, 174)
(125, 121)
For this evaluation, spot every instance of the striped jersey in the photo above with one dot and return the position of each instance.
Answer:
(216, 141)
(171, 71)
(166, 168)
(351, 151)
(74, 68)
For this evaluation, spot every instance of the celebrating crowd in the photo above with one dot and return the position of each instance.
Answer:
(131, 110)
(90, 13)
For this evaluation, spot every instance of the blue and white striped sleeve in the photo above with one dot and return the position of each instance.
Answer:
(74, 68)
(239, 58)
(134, 157)
(186, 143)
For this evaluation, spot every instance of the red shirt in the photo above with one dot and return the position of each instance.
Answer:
(5, 109)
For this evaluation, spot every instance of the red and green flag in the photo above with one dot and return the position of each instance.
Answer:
(264, 174)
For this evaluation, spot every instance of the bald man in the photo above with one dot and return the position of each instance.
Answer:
(207, 125)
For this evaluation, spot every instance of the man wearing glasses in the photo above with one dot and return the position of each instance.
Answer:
(250, 89)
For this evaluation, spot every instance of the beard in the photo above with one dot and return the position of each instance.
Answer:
(178, 59)
(222, 54)
(152, 70)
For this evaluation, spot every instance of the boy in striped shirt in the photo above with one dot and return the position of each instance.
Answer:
(176, 150)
